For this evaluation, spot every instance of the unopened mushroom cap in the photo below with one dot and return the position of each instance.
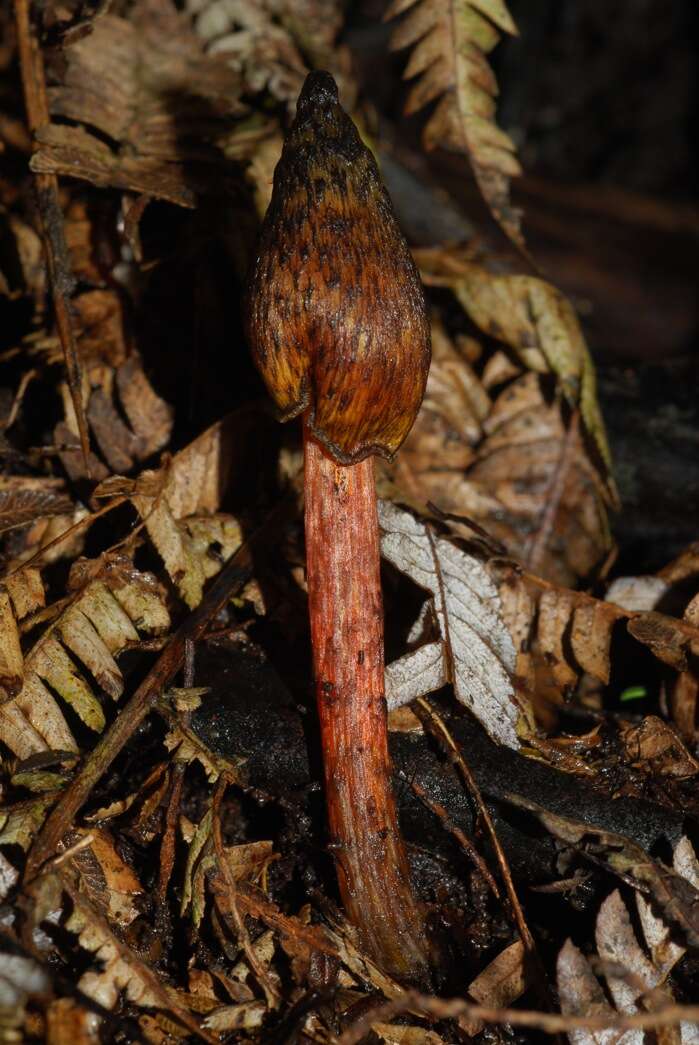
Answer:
(336, 316)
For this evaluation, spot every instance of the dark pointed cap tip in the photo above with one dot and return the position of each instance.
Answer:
(319, 89)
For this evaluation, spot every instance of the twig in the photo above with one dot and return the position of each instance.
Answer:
(263, 977)
(463, 840)
(17, 401)
(429, 716)
(235, 574)
(550, 1023)
(167, 845)
(86, 520)
(57, 260)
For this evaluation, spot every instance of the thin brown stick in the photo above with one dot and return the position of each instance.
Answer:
(428, 715)
(19, 396)
(57, 260)
(346, 612)
(167, 844)
(463, 840)
(86, 520)
(234, 575)
(263, 977)
(550, 1023)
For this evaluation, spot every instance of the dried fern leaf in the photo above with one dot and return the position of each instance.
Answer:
(450, 40)
(11, 664)
(24, 500)
(21, 822)
(110, 612)
(121, 969)
(26, 590)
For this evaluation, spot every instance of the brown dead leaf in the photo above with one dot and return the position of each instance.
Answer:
(31, 278)
(247, 1015)
(116, 391)
(81, 225)
(526, 460)
(684, 699)
(560, 633)
(684, 566)
(395, 1034)
(676, 897)
(507, 481)
(450, 422)
(176, 504)
(664, 638)
(538, 323)
(160, 107)
(502, 982)
(568, 624)
(11, 660)
(68, 1023)
(653, 746)
(294, 935)
(103, 877)
(121, 969)
(99, 327)
(26, 590)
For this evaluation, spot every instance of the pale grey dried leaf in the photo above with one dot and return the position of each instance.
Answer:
(616, 943)
(478, 649)
(411, 676)
(9, 876)
(664, 950)
(20, 978)
(245, 1016)
(580, 994)
(637, 593)
(675, 896)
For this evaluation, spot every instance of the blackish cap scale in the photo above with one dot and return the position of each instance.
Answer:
(336, 315)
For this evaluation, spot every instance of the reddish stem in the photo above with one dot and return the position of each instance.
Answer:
(346, 611)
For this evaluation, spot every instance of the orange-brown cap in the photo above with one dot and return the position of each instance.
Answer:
(336, 314)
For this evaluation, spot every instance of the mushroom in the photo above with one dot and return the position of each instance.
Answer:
(337, 324)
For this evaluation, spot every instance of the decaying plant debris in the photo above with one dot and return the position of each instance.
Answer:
(165, 872)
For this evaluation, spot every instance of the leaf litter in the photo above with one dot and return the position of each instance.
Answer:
(189, 892)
